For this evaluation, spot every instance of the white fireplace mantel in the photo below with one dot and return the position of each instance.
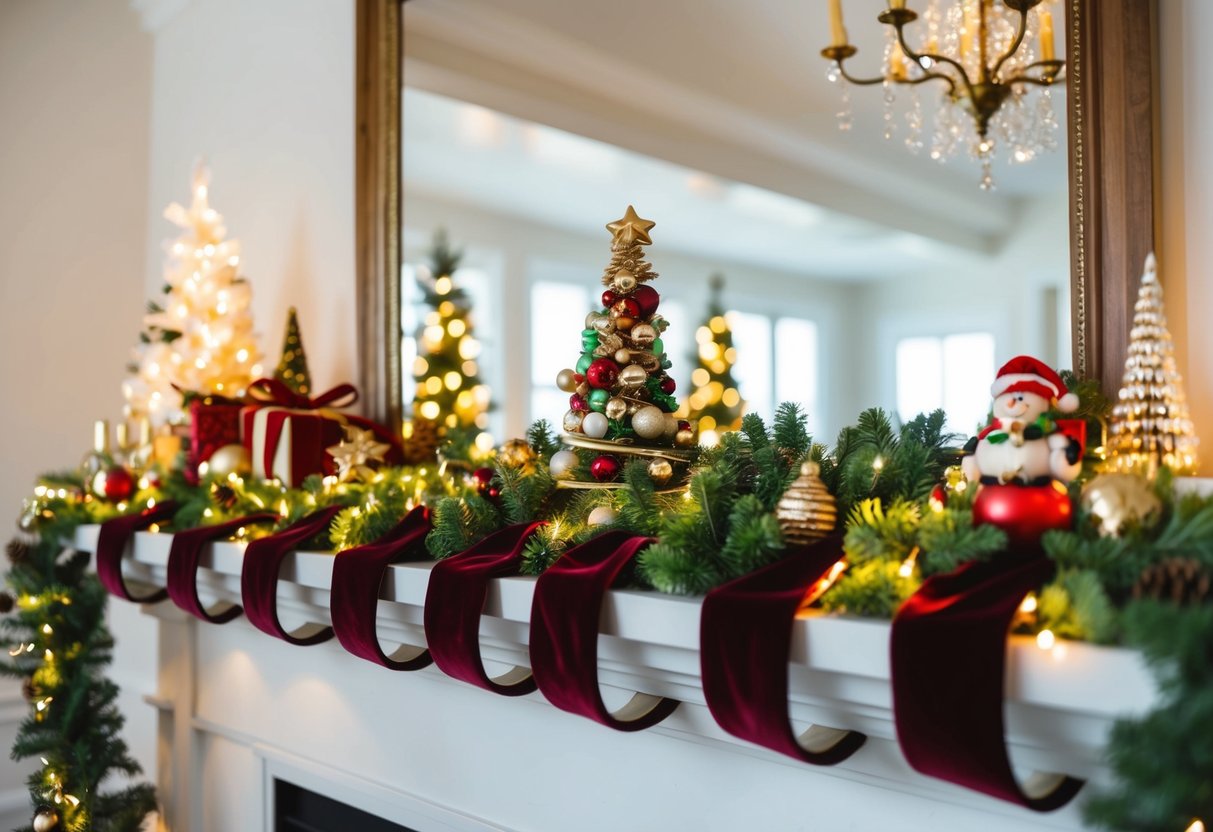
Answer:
(435, 754)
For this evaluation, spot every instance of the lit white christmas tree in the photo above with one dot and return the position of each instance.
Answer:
(199, 338)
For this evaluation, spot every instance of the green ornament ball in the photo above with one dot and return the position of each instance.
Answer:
(658, 346)
(584, 362)
(599, 399)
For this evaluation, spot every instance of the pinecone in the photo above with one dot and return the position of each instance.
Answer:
(1182, 581)
(28, 689)
(17, 550)
(224, 495)
(7, 602)
(422, 445)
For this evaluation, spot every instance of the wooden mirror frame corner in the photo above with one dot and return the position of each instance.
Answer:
(1111, 117)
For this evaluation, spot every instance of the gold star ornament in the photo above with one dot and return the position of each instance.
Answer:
(632, 227)
(356, 452)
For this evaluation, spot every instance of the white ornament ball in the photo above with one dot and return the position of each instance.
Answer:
(602, 516)
(649, 422)
(572, 420)
(563, 464)
(594, 425)
(231, 459)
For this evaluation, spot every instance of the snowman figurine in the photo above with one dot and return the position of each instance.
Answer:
(1021, 445)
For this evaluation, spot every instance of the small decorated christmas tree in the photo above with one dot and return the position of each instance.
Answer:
(1150, 425)
(292, 366)
(449, 390)
(715, 405)
(622, 401)
(199, 338)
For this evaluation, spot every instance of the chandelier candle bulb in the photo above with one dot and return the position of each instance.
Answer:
(837, 30)
(1046, 36)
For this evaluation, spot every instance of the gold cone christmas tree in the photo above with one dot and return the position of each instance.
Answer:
(1150, 424)
(622, 403)
(292, 367)
(715, 404)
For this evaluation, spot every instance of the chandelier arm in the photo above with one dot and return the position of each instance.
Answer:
(917, 57)
(1052, 72)
(1046, 81)
(862, 82)
(1021, 30)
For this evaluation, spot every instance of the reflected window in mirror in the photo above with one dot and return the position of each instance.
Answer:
(946, 373)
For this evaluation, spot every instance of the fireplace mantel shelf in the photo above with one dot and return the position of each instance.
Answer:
(1060, 702)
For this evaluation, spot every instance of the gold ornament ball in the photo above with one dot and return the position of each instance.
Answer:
(632, 375)
(623, 356)
(45, 820)
(566, 380)
(603, 323)
(644, 334)
(1116, 501)
(624, 322)
(807, 511)
(231, 459)
(616, 408)
(572, 421)
(685, 438)
(671, 425)
(649, 422)
(660, 471)
(517, 453)
(624, 282)
(582, 390)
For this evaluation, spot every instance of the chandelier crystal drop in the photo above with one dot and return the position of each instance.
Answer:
(995, 61)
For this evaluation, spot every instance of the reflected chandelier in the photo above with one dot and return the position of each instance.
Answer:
(987, 55)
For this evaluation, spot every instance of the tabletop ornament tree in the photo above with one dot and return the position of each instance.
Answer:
(621, 404)
(715, 405)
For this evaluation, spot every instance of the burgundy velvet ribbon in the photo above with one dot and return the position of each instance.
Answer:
(948, 656)
(745, 635)
(183, 558)
(112, 541)
(259, 578)
(357, 577)
(454, 601)
(564, 633)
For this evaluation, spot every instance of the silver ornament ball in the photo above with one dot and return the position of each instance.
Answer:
(563, 465)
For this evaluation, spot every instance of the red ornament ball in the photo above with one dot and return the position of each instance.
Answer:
(115, 484)
(608, 298)
(577, 403)
(647, 299)
(668, 386)
(605, 468)
(483, 477)
(1024, 512)
(602, 374)
(683, 424)
(627, 308)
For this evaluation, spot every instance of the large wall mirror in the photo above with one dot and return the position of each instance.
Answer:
(858, 269)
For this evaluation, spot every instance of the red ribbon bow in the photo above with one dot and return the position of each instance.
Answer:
(273, 391)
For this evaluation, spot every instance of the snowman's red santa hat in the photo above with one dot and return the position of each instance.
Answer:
(1028, 375)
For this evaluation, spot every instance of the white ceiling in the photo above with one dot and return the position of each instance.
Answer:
(692, 98)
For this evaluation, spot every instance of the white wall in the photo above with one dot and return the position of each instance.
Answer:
(265, 91)
(1185, 244)
(75, 95)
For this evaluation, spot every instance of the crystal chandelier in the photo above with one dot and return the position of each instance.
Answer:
(988, 57)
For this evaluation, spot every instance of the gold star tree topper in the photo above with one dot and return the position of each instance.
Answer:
(356, 452)
(632, 227)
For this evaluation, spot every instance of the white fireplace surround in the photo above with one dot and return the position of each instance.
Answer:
(237, 709)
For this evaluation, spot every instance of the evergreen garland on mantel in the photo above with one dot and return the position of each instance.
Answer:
(898, 532)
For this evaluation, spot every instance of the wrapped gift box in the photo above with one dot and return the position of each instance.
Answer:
(288, 434)
(214, 422)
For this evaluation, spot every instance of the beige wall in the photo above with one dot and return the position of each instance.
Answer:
(75, 92)
(1186, 245)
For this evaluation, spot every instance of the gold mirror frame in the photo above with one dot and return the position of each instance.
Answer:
(1110, 86)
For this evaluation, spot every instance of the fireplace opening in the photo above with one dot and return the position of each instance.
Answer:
(298, 810)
